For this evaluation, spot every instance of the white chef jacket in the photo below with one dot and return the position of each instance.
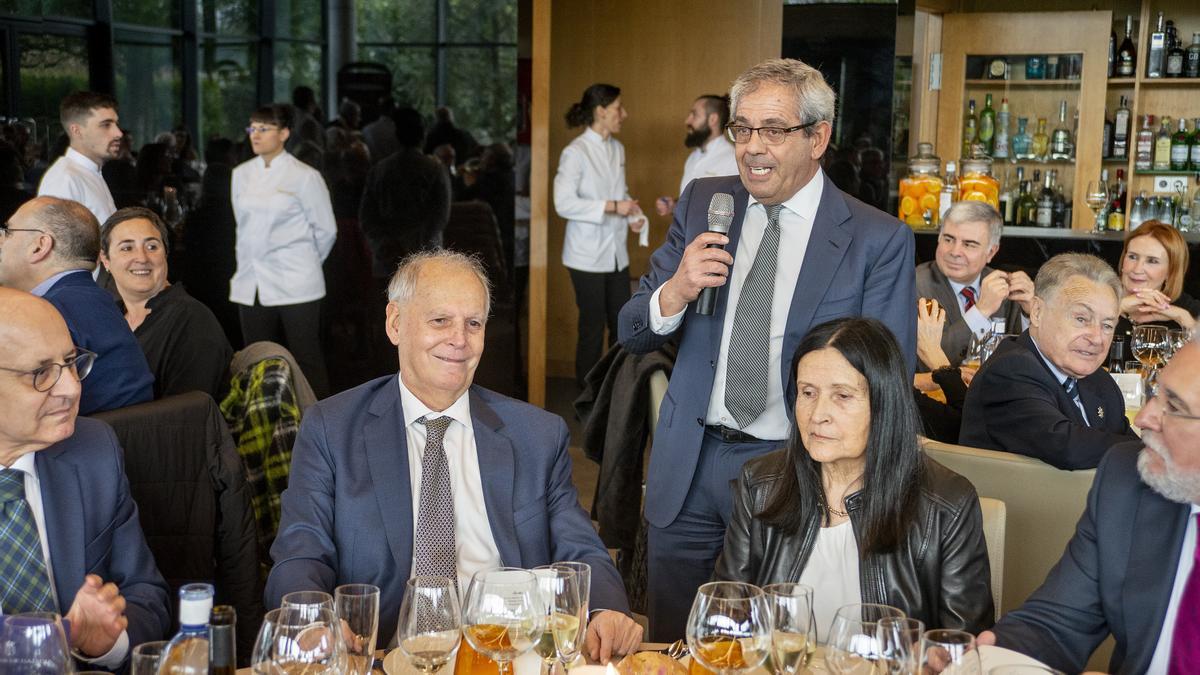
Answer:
(591, 171)
(73, 176)
(285, 229)
(715, 158)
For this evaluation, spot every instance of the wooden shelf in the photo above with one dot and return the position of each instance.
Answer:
(1124, 81)
(1169, 81)
(1020, 84)
(1165, 172)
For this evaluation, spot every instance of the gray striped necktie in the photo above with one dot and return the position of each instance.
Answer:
(434, 550)
(746, 373)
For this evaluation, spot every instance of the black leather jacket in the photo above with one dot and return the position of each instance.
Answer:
(939, 575)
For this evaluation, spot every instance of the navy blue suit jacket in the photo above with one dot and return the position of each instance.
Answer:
(93, 528)
(120, 377)
(348, 509)
(859, 262)
(1114, 578)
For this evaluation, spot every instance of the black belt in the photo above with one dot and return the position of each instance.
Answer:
(732, 435)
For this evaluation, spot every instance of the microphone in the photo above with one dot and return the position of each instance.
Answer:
(720, 216)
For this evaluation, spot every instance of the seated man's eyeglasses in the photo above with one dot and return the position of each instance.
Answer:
(1169, 407)
(7, 227)
(769, 135)
(45, 377)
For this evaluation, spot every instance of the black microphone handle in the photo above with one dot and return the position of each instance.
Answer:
(707, 302)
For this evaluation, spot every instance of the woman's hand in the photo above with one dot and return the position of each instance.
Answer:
(1149, 305)
(931, 321)
(627, 207)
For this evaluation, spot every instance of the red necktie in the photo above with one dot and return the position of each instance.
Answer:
(968, 293)
(1185, 643)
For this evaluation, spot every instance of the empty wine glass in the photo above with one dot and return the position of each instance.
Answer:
(357, 608)
(853, 645)
(307, 603)
(729, 627)
(307, 641)
(1096, 197)
(951, 652)
(260, 655)
(429, 628)
(502, 615)
(34, 643)
(793, 630)
(899, 645)
(145, 658)
(1150, 349)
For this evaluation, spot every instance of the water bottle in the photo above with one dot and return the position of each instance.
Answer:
(187, 652)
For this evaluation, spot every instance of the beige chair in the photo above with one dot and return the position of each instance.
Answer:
(658, 389)
(995, 514)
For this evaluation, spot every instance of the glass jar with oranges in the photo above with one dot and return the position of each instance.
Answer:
(920, 188)
(977, 183)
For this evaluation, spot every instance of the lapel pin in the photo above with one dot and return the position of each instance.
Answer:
(1100, 412)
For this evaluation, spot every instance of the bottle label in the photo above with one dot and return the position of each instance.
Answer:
(1179, 155)
(1045, 216)
(1175, 65)
(1116, 221)
(1195, 153)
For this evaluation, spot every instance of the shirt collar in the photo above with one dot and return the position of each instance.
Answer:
(414, 409)
(974, 286)
(82, 160)
(27, 464)
(804, 203)
(594, 136)
(713, 143)
(1062, 377)
(41, 289)
(282, 158)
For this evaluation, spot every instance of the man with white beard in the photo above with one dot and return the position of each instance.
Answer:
(1130, 569)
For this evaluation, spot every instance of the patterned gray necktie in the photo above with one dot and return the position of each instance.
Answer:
(746, 373)
(434, 550)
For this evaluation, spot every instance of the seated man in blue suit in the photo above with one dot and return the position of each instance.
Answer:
(49, 248)
(70, 540)
(399, 454)
(1130, 570)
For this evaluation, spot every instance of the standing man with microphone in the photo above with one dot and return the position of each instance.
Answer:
(806, 253)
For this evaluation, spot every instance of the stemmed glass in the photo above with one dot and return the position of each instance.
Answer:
(951, 652)
(1096, 197)
(583, 586)
(1176, 339)
(34, 643)
(729, 627)
(145, 658)
(559, 587)
(357, 608)
(430, 626)
(307, 603)
(899, 645)
(793, 630)
(853, 645)
(1150, 349)
(308, 641)
(260, 656)
(502, 615)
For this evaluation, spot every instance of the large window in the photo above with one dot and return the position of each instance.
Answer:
(51, 66)
(458, 53)
(149, 84)
(299, 46)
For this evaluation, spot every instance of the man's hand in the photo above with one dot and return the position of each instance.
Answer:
(664, 206)
(992, 292)
(627, 207)
(97, 617)
(611, 633)
(1020, 290)
(699, 268)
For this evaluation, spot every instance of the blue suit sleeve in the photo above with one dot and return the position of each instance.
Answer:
(890, 292)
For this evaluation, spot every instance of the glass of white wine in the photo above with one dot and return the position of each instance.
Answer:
(729, 627)
(793, 629)
(429, 628)
(503, 615)
(561, 639)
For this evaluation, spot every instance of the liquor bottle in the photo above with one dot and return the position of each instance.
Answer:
(222, 641)
(970, 128)
(1179, 147)
(1041, 141)
(1162, 146)
(1060, 203)
(1000, 146)
(1143, 160)
(987, 126)
(1175, 54)
(1116, 214)
(1112, 51)
(1127, 53)
(949, 193)
(1121, 118)
(187, 652)
(1194, 152)
(1191, 61)
(1195, 210)
(1158, 49)
(1006, 198)
(1045, 203)
(1107, 137)
(1026, 207)
(1060, 140)
(1137, 211)
(1035, 67)
(1022, 143)
(1015, 218)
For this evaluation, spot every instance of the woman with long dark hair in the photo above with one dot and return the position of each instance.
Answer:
(591, 194)
(852, 506)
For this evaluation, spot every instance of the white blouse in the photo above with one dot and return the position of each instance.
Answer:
(832, 572)
(285, 229)
(73, 176)
(591, 171)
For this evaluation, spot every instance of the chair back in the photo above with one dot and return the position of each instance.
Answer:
(994, 515)
(658, 389)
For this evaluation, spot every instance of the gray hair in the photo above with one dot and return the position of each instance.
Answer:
(1056, 271)
(74, 228)
(815, 100)
(403, 285)
(970, 211)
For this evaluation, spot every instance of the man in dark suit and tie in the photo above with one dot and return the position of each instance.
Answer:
(1131, 569)
(396, 455)
(806, 253)
(1044, 394)
(70, 540)
(49, 248)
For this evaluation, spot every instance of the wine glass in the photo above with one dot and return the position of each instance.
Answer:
(1150, 349)
(853, 645)
(899, 645)
(145, 658)
(34, 643)
(260, 655)
(357, 608)
(1176, 339)
(729, 627)
(793, 630)
(560, 595)
(583, 585)
(502, 615)
(1096, 197)
(307, 641)
(430, 624)
(307, 603)
(951, 652)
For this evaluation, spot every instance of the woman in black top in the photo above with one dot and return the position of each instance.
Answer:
(1153, 264)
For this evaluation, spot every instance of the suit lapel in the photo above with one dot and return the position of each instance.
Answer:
(1154, 552)
(497, 471)
(62, 507)
(741, 200)
(387, 456)
(946, 296)
(1066, 403)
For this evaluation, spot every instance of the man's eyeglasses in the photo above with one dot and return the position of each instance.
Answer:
(769, 135)
(7, 227)
(45, 377)
(251, 130)
(1168, 408)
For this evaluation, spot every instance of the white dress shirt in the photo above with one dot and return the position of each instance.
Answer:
(979, 324)
(795, 228)
(285, 229)
(473, 538)
(832, 568)
(74, 176)
(714, 158)
(33, 495)
(591, 171)
(1162, 651)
